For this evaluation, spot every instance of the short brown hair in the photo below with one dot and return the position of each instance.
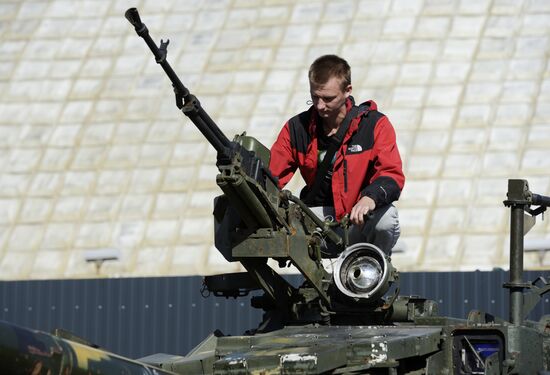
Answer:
(328, 66)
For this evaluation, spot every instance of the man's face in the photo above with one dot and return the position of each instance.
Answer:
(329, 99)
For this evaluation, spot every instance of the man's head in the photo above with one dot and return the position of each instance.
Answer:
(330, 86)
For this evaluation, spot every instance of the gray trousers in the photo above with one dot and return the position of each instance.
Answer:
(381, 229)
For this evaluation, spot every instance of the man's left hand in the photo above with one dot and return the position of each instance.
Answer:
(361, 208)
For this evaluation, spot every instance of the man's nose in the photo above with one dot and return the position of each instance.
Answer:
(320, 104)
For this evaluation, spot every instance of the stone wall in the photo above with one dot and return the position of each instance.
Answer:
(94, 154)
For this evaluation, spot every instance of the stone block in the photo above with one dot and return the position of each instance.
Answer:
(97, 134)
(539, 136)
(128, 234)
(469, 140)
(36, 210)
(298, 35)
(65, 136)
(233, 40)
(238, 104)
(87, 27)
(542, 111)
(113, 181)
(53, 28)
(519, 91)
(531, 47)
(342, 10)
(11, 48)
(461, 165)
(241, 17)
(217, 263)
(459, 49)
(40, 49)
(79, 183)
(170, 206)
(486, 92)
(423, 166)
(454, 192)
(506, 138)
(500, 163)
(472, 115)
(488, 70)
(68, 209)
(425, 50)
(398, 27)
(16, 265)
(486, 219)
(59, 236)
(154, 155)
(280, 80)
(76, 111)
(106, 46)
(442, 251)
(27, 10)
(96, 67)
(267, 37)
(481, 251)
(415, 73)
(25, 237)
(404, 119)
(34, 69)
(535, 24)
(122, 156)
(45, 184)
(512, 115)
(452, 72)
(197, 230)
(89, 158)
(381, 75)
(444, 96)
(431, 142)
(473, 6)
(247, 80)
(162, 232)
(432, 27)
(419, 193)
(179, 179)
(331, 33)
(271, 103)
(535, 160)
(407, 261)
(188, 260)
(66, 69)
(409, 96)
(103, 208)
(74, 48)
(537, 6)
(9, 210)
(153, 260)
(490, 190)
(274, 15)
(202, 202)
(467, 26)
(306, 12)
(94, 235)
(107, 110)
(501, 26)
(389, 51)
(495, 48)
(13, 185)
(448, 220)
(437, 118)
(146, 180)
(136, 206)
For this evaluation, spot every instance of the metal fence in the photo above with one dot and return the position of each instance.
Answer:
(141, 316)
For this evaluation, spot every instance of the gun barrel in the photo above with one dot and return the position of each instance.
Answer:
(185, 101)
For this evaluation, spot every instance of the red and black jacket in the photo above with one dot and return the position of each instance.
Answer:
(367, 164)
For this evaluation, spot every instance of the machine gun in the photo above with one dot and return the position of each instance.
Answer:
(255, 221)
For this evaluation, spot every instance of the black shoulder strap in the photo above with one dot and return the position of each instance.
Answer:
(334, 145)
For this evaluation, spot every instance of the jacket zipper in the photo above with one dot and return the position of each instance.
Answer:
(345, 176)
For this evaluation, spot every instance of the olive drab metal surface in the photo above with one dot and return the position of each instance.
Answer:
(350, 321)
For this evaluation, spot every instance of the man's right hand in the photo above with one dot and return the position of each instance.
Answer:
(361, 208)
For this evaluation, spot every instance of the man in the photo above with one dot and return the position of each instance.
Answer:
(365, 174)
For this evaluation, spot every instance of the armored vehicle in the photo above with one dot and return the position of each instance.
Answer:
(349, 319)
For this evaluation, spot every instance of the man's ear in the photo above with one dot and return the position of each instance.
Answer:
(347, 91)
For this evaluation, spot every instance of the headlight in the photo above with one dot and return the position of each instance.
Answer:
(363, 271)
